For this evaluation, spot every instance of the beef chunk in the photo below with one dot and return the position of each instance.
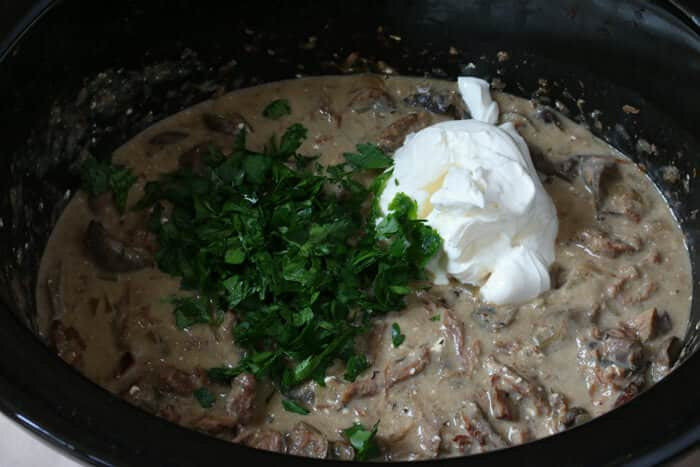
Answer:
(393, 135)
(477, 433)
(305, 440)
(67, 342)
(371, 96)
(340, 450)
(182, 383)
(240, 402)
(263, 438)
(393, 374)
(600, 243)
(648, 324)
(518, 387)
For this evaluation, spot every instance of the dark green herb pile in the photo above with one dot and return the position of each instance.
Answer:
(259, 234)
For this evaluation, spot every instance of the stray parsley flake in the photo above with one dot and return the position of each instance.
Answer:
(304, 268)
(363, 441)
(291, 406)
(205, 397)
(355, 366)
(100, 177)
(396, 337)
(435, 318)
(277, 109)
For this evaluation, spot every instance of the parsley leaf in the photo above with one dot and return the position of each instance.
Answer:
(363, 440)
(277, 109)
(205, 397)
(396, 337)
(291, 406)
(100, 177)
(435, 318)
(368, 156)
(193, 310)
(355, 366)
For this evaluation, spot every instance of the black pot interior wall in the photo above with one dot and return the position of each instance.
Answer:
(91, 74)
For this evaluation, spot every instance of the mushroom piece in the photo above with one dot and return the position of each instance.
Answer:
(112, 254)
(229, 124)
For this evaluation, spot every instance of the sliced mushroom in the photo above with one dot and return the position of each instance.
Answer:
(438, 103)
(167, 137)
(372, 96)
(494, 318)
(229, 124)
(112, 254)
(305, 440)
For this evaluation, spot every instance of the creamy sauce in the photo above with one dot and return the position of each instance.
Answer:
(474, 378)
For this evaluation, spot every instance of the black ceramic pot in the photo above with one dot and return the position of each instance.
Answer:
(159, 56)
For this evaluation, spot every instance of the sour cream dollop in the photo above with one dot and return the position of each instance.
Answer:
(474, 183)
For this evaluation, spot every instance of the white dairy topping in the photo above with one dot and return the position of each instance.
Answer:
(475, 184)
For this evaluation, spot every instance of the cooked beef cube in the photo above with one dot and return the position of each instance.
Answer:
(305, 440)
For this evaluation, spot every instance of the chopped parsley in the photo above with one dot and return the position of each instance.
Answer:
(305, 269)
(396, 337)
(100, 177)
(291, 406)
(277, 109)
(363, 441)
(205, 397)
(435, 318)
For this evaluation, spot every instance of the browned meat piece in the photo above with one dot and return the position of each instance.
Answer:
(326, 110)
(182, 383)
(112, 254)
(364, 388)
(494, 318)
(517, 386)
(613, 364)
(478, 436)
(372, 97)
(665, 356)
(392, 136)
(499, 402)
(408, 367)
(229, 124)
(169, 412)
(167, 137)
(67, 343)
(593, 169)
(438, 103)
(214, 423)
(565, 169)
(56, 292)
(428, 434)
(642, 292)
(648, 324)
(548, 116)
(624, 201)
(371, 343)
(467, 359)
(340, 450)
(240, 402)
(519, 435)
(305, 440)
(263, 438)
(563, 417)
(600, 243)
(194, 158)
